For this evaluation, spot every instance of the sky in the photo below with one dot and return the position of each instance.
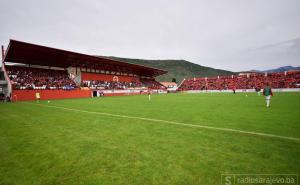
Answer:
(235, 35)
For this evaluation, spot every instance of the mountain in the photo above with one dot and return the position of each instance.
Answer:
(178, 69)
(268, 56)
(279, 69)
(282, 69)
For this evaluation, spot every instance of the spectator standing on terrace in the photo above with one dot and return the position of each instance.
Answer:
(257, 89)
(37, 96)
(267, 92)
(2, 97)
(149, 94)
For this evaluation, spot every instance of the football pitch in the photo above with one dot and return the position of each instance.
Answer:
(172, 139)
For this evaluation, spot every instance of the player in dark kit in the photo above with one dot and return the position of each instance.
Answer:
(267, 92)
(257, 89)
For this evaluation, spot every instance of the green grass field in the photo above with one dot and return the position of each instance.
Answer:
(42, 143)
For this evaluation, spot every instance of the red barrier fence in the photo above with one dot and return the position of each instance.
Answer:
(24, 95)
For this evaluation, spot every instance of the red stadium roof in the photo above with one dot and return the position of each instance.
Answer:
(27, 53)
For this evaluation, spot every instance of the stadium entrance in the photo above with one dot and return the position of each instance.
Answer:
(95, 93)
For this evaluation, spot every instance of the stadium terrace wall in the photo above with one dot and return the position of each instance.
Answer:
(130, 92)
(243, 90)
(27, 95)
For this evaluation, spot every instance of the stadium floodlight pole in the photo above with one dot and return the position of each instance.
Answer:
(2, 48)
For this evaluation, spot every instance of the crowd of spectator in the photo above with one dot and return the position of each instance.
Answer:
(97, 84)
(245, 81)
(39, 78)
(152, 84)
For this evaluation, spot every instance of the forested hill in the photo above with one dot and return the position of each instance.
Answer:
(178, 69)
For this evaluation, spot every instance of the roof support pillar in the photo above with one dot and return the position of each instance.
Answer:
(2, 48)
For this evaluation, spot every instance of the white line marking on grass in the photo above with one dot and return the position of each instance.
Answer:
(171, 122)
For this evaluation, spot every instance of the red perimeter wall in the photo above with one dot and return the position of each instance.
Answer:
(23, 95)
(104, 77)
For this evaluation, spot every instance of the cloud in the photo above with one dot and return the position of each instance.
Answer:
(270, 56)
(205, 32)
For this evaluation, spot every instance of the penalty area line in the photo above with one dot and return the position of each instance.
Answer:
(170, 122)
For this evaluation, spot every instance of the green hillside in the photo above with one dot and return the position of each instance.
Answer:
(178, 69)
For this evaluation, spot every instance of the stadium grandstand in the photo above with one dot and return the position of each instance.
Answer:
(288, 80)
(28, 69)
